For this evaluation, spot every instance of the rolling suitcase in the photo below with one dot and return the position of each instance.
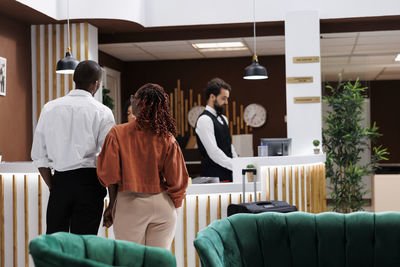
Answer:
(258, 206)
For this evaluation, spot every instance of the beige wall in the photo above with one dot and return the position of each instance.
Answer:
(16, 106)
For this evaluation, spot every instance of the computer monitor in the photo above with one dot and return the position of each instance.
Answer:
(277, 146)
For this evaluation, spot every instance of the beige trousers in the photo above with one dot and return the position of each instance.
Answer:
(148, 219)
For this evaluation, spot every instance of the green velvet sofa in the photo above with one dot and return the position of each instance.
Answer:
(329, 239)
(64, 249)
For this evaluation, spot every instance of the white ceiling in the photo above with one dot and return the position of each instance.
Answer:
(363, 55)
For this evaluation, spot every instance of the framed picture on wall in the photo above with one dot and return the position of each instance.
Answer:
(3, 75)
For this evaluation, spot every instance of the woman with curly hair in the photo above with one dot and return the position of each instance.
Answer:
(142, 161)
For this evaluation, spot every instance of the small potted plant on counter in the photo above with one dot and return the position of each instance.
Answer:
(316, 146)
(250, 175)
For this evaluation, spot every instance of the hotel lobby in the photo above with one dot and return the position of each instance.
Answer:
(303, 46)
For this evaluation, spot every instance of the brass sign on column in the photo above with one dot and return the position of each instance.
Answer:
(303, 79)
(307, 99)
(305, 59)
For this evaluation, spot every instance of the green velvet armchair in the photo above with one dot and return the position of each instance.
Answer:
(64, 249)
(329, 239)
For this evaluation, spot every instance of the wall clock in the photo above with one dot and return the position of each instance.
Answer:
(193, 114)
(255, 115)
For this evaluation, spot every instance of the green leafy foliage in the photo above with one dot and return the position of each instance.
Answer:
(344, 139)
(315, 142)
(107, 100)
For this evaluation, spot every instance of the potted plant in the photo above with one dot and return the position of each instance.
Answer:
(316, 146)
(107, 100)
(250, 175)
(344, 139)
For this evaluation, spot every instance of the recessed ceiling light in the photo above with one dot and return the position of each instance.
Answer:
(397, 58)
(223, 46)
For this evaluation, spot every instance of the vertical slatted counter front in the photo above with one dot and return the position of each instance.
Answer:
(23, 201)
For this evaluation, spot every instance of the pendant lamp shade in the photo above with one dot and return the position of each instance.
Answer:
(67, 65)
(255, 71)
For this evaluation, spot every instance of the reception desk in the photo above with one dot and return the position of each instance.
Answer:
(23, 201)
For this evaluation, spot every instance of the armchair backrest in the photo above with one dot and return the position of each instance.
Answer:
(64, 249)
(302, 239)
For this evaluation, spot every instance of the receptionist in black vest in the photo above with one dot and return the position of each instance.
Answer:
(212, 133)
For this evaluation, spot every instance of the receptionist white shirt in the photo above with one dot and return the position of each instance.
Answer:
(71, 131)
(205, 131)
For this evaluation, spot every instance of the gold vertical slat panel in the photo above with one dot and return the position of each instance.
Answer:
(208, 211)
(176, 109)
(86, 34)
(284, 184)
(296, 187)
(105, 207)
(258, 197)
(185, 251)
(313, 190)
(317, 188)
(315, 183)
(38, 74)
(276, 183)
(230, 199)
(54, 59)
(39, 206)
(171, 104)
(2, 250)
(26, 219)
(196, 227)
(250, 198)
(14, 204)
(186, 117)
(302, 186)
(62, 51)
(267, 186)
(182, 114)
(231, 128)
(173, 247)
(219, 208)
(237, 125)
(69, 77)
(308, 186)
(290, 186)
(240, 199)
(234, 112)
(190, 98)
(78, 40)
(323, 186)
(46, 64)
(199, 99)
(241, 116)
(227, 111)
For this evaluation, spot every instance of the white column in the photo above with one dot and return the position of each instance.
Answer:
(302, 39)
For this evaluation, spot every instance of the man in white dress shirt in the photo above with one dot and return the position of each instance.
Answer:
(212, 133)
(68, 138)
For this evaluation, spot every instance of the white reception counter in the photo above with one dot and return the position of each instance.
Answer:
(299, 180)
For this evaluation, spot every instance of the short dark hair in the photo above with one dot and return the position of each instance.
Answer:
(86, 73)
(214, 87)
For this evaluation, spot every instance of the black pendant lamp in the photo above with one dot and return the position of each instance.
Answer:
(68, 64)
(255, 71)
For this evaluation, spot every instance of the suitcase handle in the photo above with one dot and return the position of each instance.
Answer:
(244, 171)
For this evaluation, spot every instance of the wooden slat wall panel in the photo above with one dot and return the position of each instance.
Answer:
(308, 191)
(50, 39)
(290, 186)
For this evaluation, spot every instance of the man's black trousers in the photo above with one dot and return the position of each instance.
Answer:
(76, 202)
